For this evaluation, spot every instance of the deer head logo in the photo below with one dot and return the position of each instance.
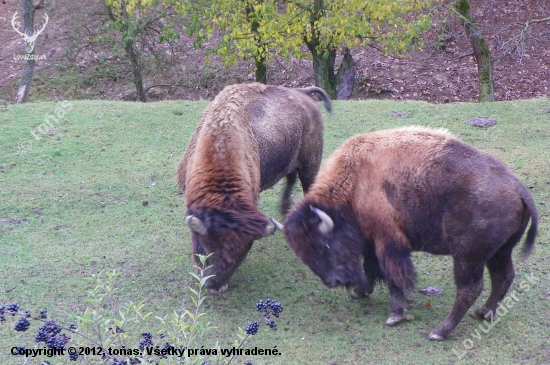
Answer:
(29, 39)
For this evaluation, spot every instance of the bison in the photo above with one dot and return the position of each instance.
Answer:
(249, 137)
(382, 195)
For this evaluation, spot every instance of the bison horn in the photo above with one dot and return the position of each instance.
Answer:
(271, 228)
(195, 224)
(326, 225)
(278, 225)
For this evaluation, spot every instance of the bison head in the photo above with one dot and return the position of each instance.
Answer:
(228, 236)
(329, 244)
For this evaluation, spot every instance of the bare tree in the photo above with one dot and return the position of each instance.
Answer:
(522, 35)
(29, 36)
(139, 31)
(510, 40)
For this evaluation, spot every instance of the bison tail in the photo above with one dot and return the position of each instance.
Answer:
(318, 90)
(532, 233)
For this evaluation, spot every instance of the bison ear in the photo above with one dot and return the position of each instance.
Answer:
(326, 225)
(195, 224)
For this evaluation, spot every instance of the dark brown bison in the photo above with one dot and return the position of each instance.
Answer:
(384, 194)
(249, 138)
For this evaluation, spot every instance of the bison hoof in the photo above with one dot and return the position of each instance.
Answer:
(393, 320)
(221, 290)
(358, 294)
(479, 313)
(435, 337)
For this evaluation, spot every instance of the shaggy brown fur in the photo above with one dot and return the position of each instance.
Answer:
(392, 192)
(249, 138)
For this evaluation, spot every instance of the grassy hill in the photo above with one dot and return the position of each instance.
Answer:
(97, 190)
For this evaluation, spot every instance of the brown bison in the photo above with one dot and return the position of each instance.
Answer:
(248, 138)
(385, 194)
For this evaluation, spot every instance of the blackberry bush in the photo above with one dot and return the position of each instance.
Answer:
(101, 326)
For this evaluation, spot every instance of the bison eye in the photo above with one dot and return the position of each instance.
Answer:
(322, 248)
(201, 250)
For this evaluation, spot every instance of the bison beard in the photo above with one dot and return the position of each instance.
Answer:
(221, 230)
(383, 195)
(249, 138)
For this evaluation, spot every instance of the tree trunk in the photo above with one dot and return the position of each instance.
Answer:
(337, 86)
(481, 51)
(323, 59)
(345, 78)
(29, 9)
(136, 70)
(261, 71)
(323, 66)
(260, 64)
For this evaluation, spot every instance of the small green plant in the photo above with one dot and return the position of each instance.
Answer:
(106, 333)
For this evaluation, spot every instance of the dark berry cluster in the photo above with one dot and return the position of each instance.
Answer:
(117, 329)
(12, 309)
(43, 314)
(73, 356)
(252, 328)
(2, 309)
(166, 347)
(22, 325)
(50, 334)
(58, 342)
(270, 307)
(248, 363)
(146, 340)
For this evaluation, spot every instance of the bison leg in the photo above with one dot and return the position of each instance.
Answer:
(397, 305)
(364, 289)
(395, 264)
(371, 270)
(307, 176)
(469, 284)
(502, 273)
(285, 201)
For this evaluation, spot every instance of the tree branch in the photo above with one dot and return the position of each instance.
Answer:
(536, 21)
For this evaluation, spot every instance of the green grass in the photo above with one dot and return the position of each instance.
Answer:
(79, 193)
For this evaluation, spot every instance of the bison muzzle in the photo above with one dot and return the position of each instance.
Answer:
(249, 138)
(382, 195)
